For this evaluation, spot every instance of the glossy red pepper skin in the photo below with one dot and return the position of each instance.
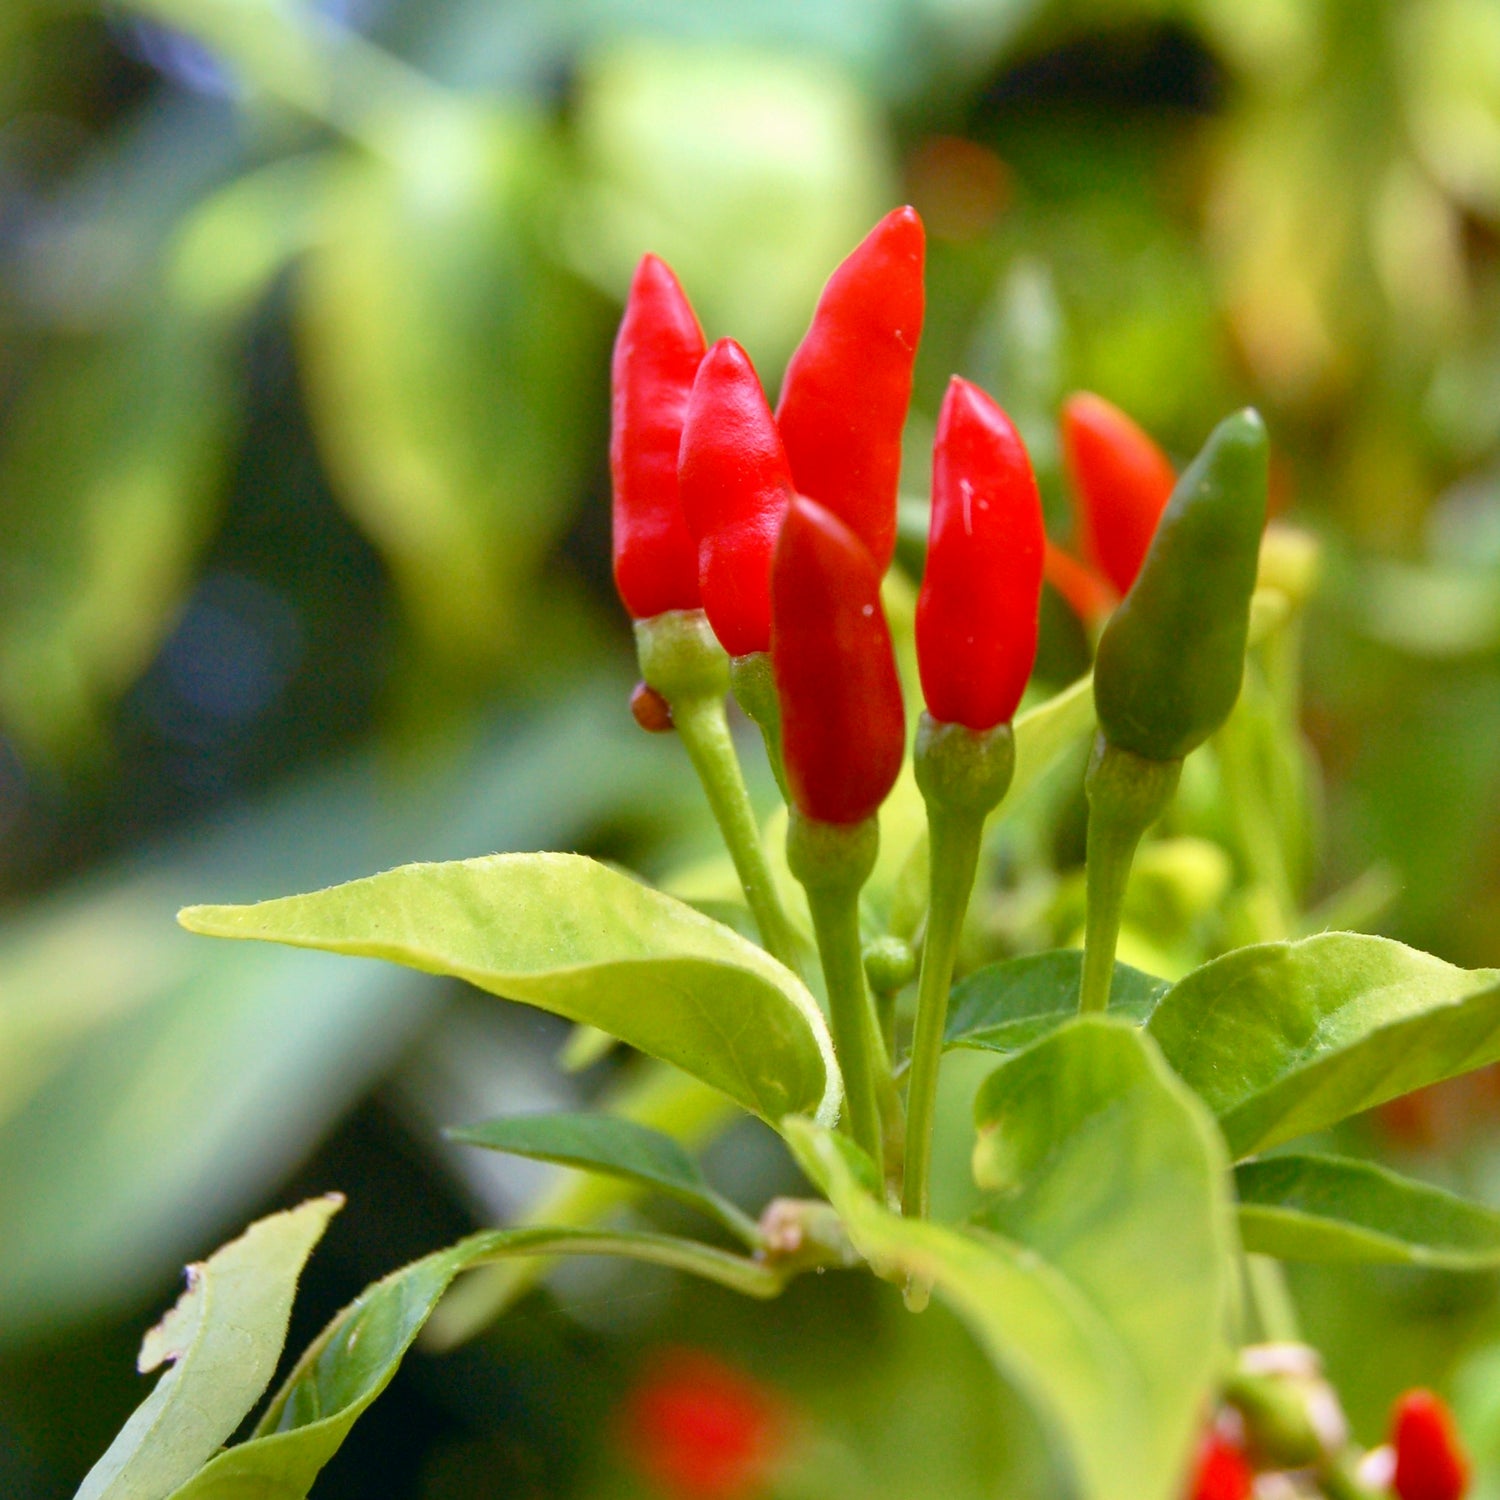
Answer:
(1430, 1460)
(735, 487)
(848, 385)
(1123, 482)
(1222, 1472)
(657, 353)
(843, 724)
(982, 587)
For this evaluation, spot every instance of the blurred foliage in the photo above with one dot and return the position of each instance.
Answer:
(305, 313)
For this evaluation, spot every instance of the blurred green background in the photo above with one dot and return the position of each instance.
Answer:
(305, 315)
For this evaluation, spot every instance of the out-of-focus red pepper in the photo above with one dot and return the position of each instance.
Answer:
(977, 611)
(1222, 1472)
(735, 487)
(843, 402)
(843, 724)
(657, 353)
(1123, 482)
(1085, 592)
(700, 1430)
(1430, 1460)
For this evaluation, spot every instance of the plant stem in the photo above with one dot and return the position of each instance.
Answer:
(754, 689)
(680, 658)
(705, 736)
(955, 839)
(1271, 1300)
(833, 861)
(1127, 793)
(963, 775)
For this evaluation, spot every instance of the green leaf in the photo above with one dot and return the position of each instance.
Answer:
(1006, 1006)
(615, 1147)
(675, 157)
(1112, 1172)
(223, 1340)
(1049, 730)
(152, 1085)
(1304, 1207)
(109, 484)
(1287, 1038)
(572, 936)
(445, 354)
(356, 1356)
(1100, 1284)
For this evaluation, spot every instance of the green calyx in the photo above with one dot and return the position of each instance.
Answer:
(836, 857)
(1172, 656)
(963, 770)
(680, 657)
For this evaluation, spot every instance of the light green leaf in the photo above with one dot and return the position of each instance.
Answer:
(676, 158)
(355, 1357)
(1326, 1208)
(576, 938)
(153, 1085)
(1100, 1285)
(444, 354)
(109, 483)
(1047, 731)
(615, 1147)
(1286, 1038)
(1004, 1007)
(223, 1340)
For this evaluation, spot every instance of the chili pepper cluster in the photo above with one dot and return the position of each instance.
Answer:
(781, 526)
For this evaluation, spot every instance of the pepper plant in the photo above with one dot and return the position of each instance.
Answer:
(1135, 1192)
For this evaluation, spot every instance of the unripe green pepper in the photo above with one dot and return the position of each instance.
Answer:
(1172, 656)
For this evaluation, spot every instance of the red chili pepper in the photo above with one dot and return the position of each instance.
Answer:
(843, 402)
(1222, 1472)
(1430, 1460)
(700, 1430)
(1086, 593)
(657, 353)
(735, 486)
(843, 725)
(1122, 479)
(977, 612)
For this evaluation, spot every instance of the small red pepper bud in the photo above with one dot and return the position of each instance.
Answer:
(1122, 479)
(843, 402)
(699, 1430)
(843, 724)
(977, 612)
(735, 485)
(650, 710)
(657, 353)
(1430, 1460)
(1222, 1471)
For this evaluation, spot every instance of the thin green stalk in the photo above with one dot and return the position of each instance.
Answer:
(705, 736)
(754, 689)
(833, 861)
(1127, 793)
(681, 660)
(955, 841)
(1271, 1300)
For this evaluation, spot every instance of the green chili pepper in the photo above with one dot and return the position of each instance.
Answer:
(1172, 656)
(1169, 667)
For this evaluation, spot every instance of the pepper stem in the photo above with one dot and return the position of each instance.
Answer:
(1127, 793)
(754, 689)
(833, 861)
(963, 775)
(680, 658)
